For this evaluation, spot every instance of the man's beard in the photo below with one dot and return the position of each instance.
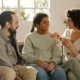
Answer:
(12, 31)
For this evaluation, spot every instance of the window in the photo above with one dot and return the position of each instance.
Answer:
(0, 3)
(10, 3)
(25, 9)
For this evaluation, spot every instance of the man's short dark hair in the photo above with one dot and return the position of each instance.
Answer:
(6, 17)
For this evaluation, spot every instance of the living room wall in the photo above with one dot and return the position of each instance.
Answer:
(57, 11)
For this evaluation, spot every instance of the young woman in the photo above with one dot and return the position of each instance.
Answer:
(71, 42)
(43, 51)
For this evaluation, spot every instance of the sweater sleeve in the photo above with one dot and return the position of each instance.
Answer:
(4, 58)
(57, 52)
(28, 52)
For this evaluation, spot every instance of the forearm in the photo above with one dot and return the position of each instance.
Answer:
(42, 64)
(56, 60)
(74, 51)
(54, 63)
(29, 58)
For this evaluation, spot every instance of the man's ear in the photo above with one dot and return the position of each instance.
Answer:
(7, 24)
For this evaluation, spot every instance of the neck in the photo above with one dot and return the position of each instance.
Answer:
(76, 30)
(41, 32)
(6, 32)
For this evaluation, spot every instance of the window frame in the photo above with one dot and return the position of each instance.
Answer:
(18, 8)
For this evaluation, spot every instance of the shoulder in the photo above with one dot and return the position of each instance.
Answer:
(1, 39)
(2, 42)
(30, 35)
(67, 32)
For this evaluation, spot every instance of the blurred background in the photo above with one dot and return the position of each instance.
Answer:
(26, 9)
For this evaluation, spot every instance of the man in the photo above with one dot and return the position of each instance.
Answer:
(10, 60)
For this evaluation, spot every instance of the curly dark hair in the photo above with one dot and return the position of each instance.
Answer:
(74, 14)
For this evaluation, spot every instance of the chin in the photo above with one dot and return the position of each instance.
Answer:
(69, 27)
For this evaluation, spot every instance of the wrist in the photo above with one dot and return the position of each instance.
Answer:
(74, 52)
(36, 61)
(54, 64)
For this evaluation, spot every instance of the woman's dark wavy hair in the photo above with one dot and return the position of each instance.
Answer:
(37, 19)
(74, 14)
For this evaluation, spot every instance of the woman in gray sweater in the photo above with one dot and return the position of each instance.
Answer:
(43, 51)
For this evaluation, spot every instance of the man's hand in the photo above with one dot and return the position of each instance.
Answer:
(51, 66)
(42, 64)
(18, 78)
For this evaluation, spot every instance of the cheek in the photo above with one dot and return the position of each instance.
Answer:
(46, 25)
(70, 25)
(14, 27)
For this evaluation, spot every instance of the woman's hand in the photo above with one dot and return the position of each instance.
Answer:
(42, 64)
(51, 66)
(18, 78)
(55, 35)
(69, 45)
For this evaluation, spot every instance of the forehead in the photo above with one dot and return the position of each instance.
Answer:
(45, 19)
(14, 17)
